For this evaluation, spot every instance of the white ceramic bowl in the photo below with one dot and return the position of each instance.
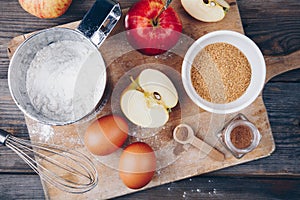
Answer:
(254, 56)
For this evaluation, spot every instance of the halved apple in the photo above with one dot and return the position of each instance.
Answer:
(147, 100)
(206, 10)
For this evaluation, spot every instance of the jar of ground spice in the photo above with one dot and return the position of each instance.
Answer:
(240, 136)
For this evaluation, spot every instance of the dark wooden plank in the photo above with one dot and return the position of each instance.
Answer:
(206, 187)
(201, 187)
(274, 25)
(11, 118)
(12, 163)
(291, 76)
(20, 187)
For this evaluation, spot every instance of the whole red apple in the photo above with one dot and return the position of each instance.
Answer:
(147, 33)
(45, 8)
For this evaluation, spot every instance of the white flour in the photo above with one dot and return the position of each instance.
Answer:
(64, 80)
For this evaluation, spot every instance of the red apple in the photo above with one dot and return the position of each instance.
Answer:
(45, 8)
(149, 35)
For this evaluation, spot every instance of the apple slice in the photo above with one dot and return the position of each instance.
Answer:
(147, 100)
(141, 111)
(206, 10)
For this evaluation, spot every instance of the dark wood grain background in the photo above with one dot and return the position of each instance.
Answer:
(273, 24)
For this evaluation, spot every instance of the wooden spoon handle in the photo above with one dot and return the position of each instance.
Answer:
(207, 149)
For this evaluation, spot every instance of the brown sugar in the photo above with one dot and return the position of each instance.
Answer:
(241, 137)
(220, 73)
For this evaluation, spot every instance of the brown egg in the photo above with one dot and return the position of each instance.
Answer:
(106, 135)
(137, 165)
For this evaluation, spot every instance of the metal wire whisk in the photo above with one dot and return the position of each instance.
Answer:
(67, 169)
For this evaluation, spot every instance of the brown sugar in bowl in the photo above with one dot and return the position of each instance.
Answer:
(245, 97)
(220, 73)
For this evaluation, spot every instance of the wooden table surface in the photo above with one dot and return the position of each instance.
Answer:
(273, 24)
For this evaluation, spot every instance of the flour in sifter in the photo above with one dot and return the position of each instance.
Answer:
(64, 79)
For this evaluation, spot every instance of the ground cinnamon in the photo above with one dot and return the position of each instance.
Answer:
(241, 137)
(182, 133)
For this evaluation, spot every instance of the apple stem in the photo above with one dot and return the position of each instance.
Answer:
(155, 20)
(138, 87)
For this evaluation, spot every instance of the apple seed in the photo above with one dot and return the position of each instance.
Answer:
(212, 3)
(157, 96)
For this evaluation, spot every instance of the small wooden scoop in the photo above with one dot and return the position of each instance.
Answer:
(184, 134)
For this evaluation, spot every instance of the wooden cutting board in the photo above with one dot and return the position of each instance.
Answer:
(175, 161)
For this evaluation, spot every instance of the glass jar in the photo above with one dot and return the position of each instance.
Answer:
(239, 136)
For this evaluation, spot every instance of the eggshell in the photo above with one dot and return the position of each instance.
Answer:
(137, 165)
(106, 135)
